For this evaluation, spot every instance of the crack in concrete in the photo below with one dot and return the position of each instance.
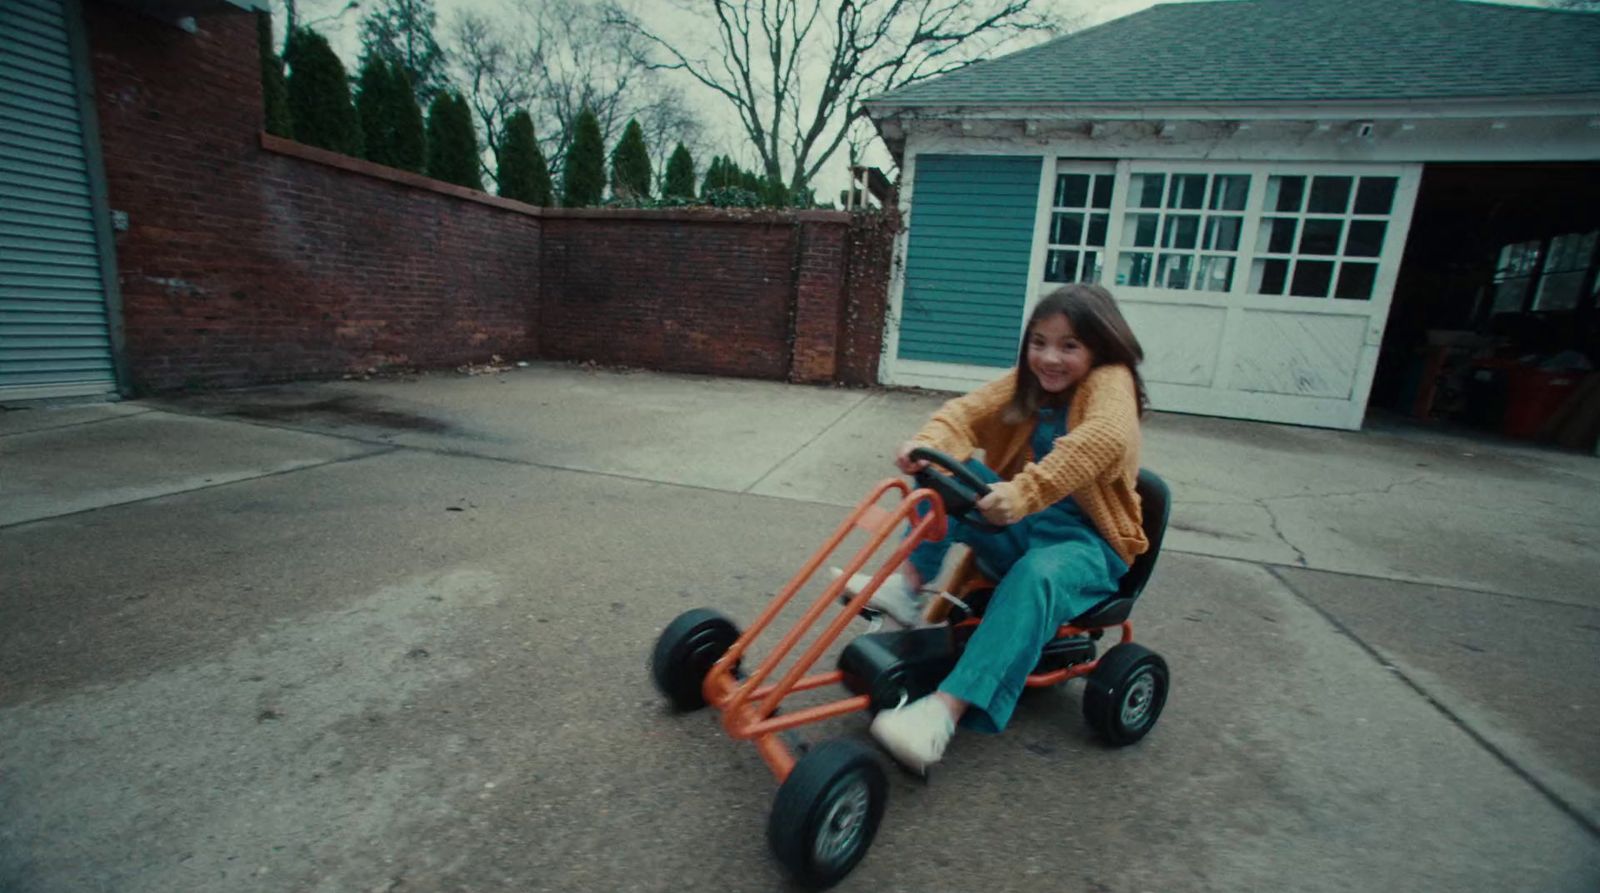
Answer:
(382, 450)
(1272, 517)
(1277, 530)
(1381, 491)
(1432, 583)
(111, 418)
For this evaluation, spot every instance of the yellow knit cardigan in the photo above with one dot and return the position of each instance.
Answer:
(1097, 462)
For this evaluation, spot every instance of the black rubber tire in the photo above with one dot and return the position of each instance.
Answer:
(1124, 695)
(827, 812)
(685, 653)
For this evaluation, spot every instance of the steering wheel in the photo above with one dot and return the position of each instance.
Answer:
(960, 489)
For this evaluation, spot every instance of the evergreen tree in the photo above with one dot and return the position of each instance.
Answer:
(410, 140)
(709, 182)
(630, 164)
(729, 186)
(319, 96)
(680, 175)
(523, 175)
(725, 173)
(391, 123)
(774, 194)
(401, 33)
(274, 92)
(721, 174)
(375, 107)
(583, 182)
(452, 142)
(717, 173)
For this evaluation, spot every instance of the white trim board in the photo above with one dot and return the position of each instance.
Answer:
(1493, 138)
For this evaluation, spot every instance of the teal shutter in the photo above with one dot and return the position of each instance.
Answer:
(967, 257)
(54, 339)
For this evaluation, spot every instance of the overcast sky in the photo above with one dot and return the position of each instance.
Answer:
(722, 129)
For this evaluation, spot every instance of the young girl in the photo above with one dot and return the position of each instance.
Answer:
(1061, 432)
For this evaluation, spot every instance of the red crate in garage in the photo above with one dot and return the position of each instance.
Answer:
(1533, 396)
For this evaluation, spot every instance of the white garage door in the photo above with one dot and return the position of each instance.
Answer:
(54, 335)
(1259, 290)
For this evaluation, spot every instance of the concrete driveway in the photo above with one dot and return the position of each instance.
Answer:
(392, 636)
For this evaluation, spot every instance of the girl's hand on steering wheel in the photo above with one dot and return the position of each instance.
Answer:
(903, 460)
(1002, 504)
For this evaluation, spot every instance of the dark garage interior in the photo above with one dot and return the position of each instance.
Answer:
(1494, 326)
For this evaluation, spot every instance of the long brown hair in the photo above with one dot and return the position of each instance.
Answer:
(1096, 322)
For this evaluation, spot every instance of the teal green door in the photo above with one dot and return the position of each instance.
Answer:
(967, 256)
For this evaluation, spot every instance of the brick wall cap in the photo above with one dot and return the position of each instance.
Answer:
(281, 146)
(291, 148)
(698, 215)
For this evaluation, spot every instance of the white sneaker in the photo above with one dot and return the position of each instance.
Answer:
(894, 598)
(917, 733)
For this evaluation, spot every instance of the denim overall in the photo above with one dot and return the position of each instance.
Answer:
(1053, 565)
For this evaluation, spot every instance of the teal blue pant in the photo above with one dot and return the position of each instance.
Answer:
(1053, 566)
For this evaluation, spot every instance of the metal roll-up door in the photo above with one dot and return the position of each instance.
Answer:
(54, 332)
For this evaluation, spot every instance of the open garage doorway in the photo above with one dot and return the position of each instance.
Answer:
(1495, 325)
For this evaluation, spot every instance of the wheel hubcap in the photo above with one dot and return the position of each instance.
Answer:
(705, 649)
(1136, 704)
(842, 824)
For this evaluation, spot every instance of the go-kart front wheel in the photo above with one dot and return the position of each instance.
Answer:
(827, 812)
(687, 649)
(1124, 695)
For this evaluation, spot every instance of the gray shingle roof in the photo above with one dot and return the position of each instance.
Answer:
(1244, 51)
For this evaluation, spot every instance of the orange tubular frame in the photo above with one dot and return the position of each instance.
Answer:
(749, 706)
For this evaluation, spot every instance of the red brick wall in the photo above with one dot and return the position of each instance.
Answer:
(241, 266)
(869, 259)
(818, 306)
(754, 294)
(251, 259)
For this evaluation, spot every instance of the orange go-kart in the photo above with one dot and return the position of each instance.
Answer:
(832, 796)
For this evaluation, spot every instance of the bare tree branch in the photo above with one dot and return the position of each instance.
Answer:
(498, 67)
(667, 122)
(797, 110)
(553, 57)
(307, 14)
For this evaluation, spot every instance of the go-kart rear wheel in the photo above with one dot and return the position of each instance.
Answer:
(685, 653)
(827, 812)
(1125, 694)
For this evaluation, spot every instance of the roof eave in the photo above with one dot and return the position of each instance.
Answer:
(1524, 105)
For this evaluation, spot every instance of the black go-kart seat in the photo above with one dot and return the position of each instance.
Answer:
(895, 665)
(1156, 505)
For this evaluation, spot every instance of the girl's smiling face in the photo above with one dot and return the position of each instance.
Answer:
(1056, 356)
